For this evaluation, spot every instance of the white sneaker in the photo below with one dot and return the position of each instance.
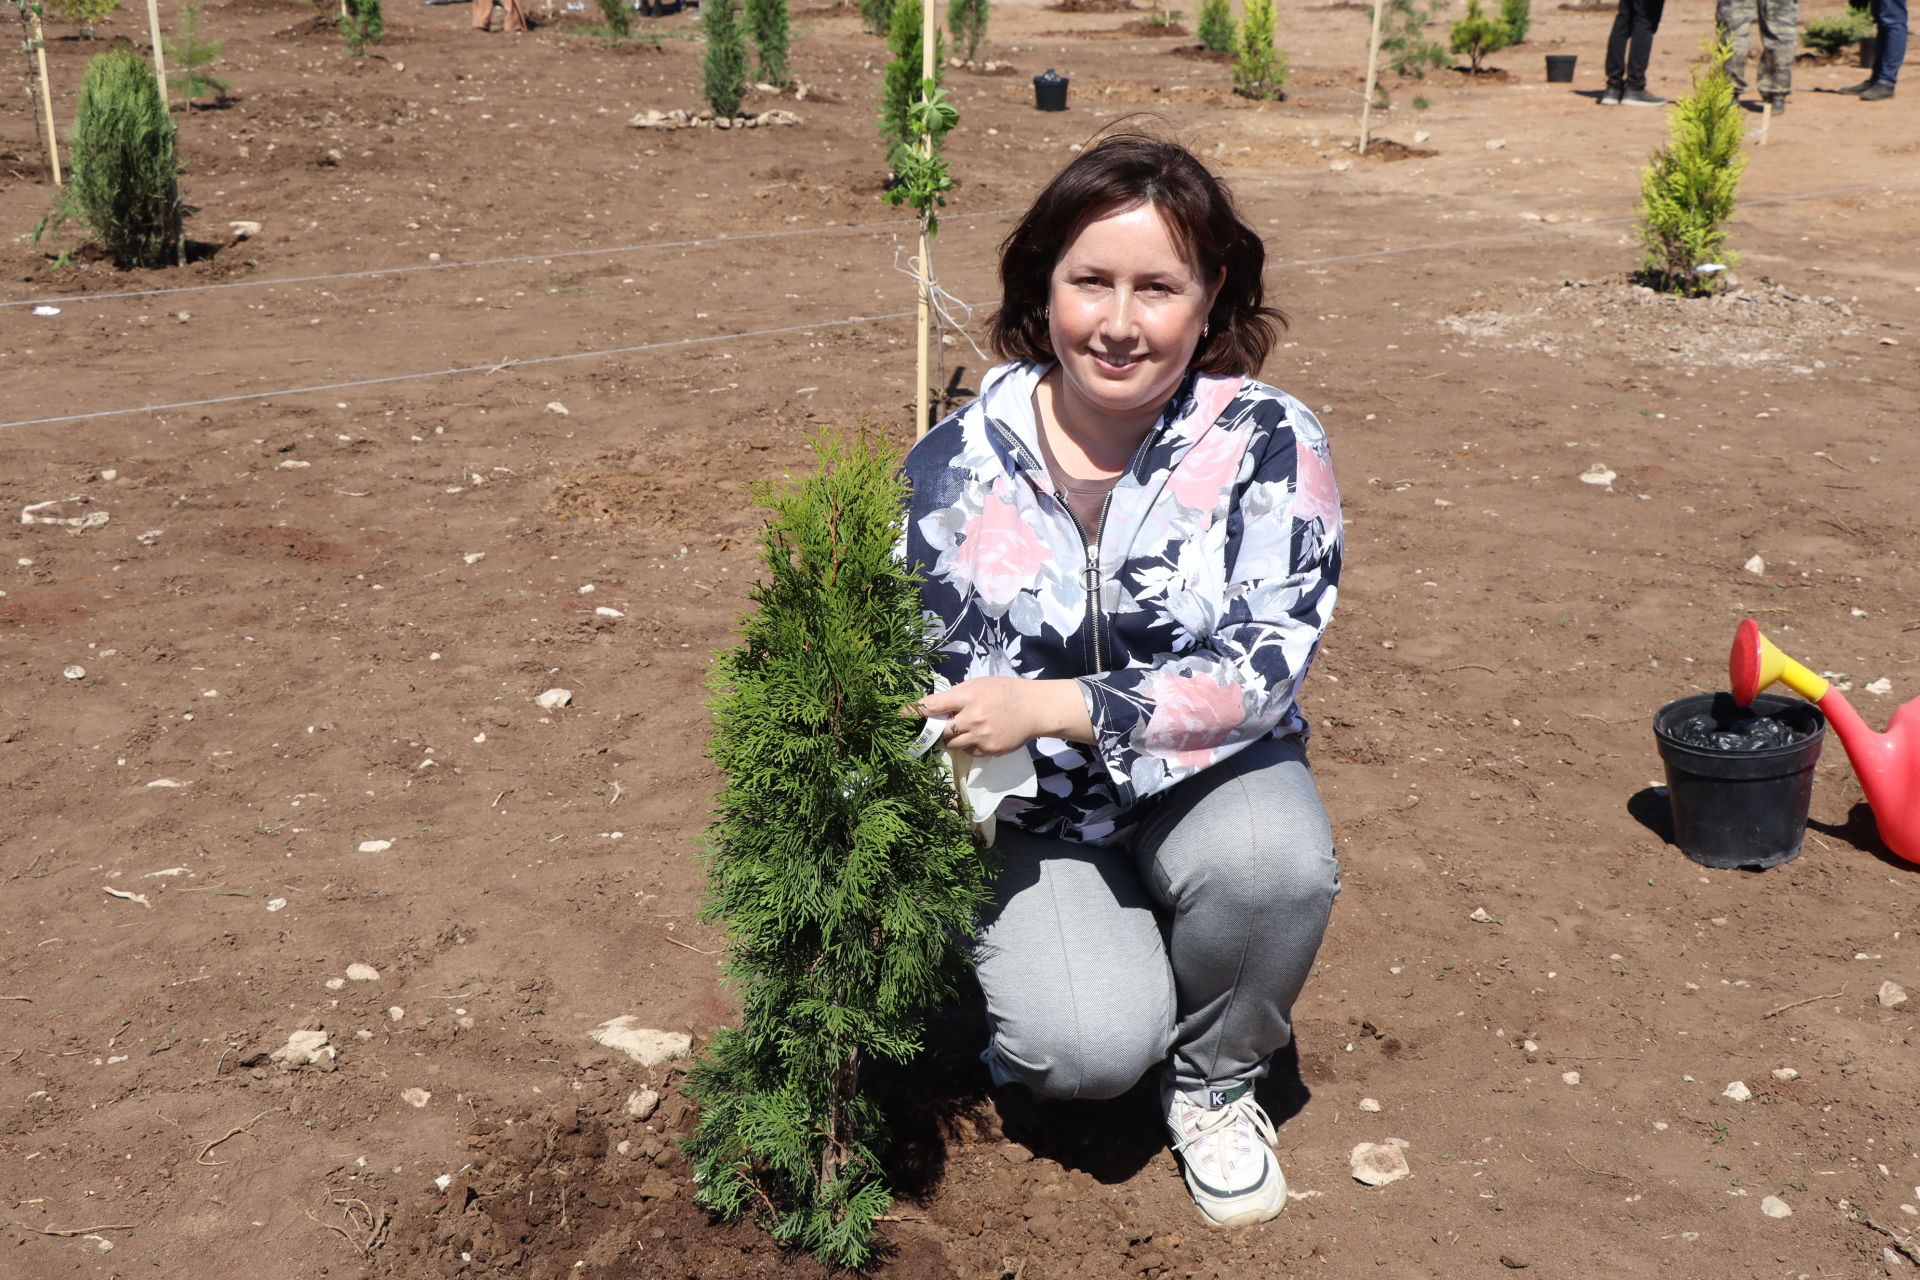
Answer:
(1227, 1155)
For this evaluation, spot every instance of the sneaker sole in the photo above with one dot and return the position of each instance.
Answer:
(1262, 1204)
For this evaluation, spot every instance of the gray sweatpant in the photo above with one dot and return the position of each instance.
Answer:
(1186, 946)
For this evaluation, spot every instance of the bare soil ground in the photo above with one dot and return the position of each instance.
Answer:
(497, 363)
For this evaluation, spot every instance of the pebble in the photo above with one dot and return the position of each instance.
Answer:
(554, 406)
(1755, 566)
(276, 904)
(375, 846)
(1598, 474)
(1891, 994)
(1341, 166)
(1569, 1077)
(75, 673)
(166, 782)
(604, 612)
(1420, 136)
(334, 984)
(304, 1048)
(1879, 688)
(554, 698)
(1480, 916)
(1737, 1090)
(1775, 1207)
(362, 973)
(1378, 1163)
(415, 1097)
(1370, 1104)
(395, 1013)
(474, 557)
(1530, 1046)
(1496, 144)
(642, 1103)
(1785, 1073)
(644, 1045)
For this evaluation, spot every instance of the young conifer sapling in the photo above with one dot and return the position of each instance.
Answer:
(723, 65)
(838, 863)
(1687, 193)
(768, 28)
(193, 54)
(1216, 26)
(1259, 69)
(124, 180)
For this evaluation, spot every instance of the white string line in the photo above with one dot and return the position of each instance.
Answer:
(493, 262)
(897, 315)
(447, 373)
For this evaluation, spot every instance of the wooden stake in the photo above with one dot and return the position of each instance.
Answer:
(925, 333)
(46, 94)
(159, 58)
(1373, 72)
(1766, 120)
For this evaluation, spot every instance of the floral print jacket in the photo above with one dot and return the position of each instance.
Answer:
(1189, 623)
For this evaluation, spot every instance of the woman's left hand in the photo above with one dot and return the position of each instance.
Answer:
(993, 715)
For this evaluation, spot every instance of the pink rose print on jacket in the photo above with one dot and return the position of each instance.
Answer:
(1315, 497)
(999, 554)
(1200, 479)
(1191, 716)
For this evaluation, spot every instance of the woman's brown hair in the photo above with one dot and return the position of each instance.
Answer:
(1122, 172)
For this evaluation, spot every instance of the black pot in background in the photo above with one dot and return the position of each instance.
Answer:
(1560, 67)
(1050, 91)
(1869, 52)
(1740, 808)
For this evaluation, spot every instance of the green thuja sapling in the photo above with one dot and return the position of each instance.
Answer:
(616, 21)
(124, 178)
(967, 24)
(877, 16)
(1687, 193)
(1403, 38)
(362, 23)
(1259, 69)
(723, 65)
(1216, 26)
(838, 864)
(767, 27)
(1518, 17)
(193, 53)
(1478, 35)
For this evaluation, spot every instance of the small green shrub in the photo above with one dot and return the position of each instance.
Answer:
(617, 19)
(768, 29)
(362, 23)
(1477, 35)
(1831, 35)
(192, 53)
(877, 16)
(723, 66)
(1259, 69)
(1518, 15)
(124, 177)
(1687, 192)
(88, 13)
(967, 25)
(1216, 26)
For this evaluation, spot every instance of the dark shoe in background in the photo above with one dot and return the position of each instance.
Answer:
(1862, 87)
(1641, 98)
(1878, 91)
(1611, 98)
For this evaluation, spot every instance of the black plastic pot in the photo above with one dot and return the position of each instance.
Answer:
(1560, 67)
(1050, 91)
(1740, 808)
(1869, 52)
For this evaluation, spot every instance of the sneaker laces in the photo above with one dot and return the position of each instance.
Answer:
(1228, 1144)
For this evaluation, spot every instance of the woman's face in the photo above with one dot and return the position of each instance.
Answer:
(1126, 306)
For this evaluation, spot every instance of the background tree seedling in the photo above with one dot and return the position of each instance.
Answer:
(1216, 27)
(1403, 38)
(1259, 69)
(616, 19)
(768, 28)
(1518, 17)
(193, 53)
(967, 25)
(877, 16)
(838, 863)
(1687, 192)
(723, 65)
(87, 14)
(1478, 35)
(362, 23)
(124, 184)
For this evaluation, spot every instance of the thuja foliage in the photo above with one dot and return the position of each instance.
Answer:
(88, 13)
(193, 53)
(901, 85)
(362, 23)
(1403, 38)
(1478, 35)
(1216, 25)
(838, 863)
(767, 27)
(1831, 35)
(617, 20)
(967, 24)
(1687, 192)
(1518, 17)
(1259, 70)
(123, 181)
(877, 16)
(723, 66)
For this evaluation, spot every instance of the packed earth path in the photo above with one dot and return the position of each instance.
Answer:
(476, 412)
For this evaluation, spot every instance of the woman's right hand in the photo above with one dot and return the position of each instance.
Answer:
(993, 715)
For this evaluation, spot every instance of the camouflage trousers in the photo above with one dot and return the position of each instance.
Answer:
(1779, 22)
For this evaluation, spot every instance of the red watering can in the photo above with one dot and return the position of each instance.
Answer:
(1887, 764)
